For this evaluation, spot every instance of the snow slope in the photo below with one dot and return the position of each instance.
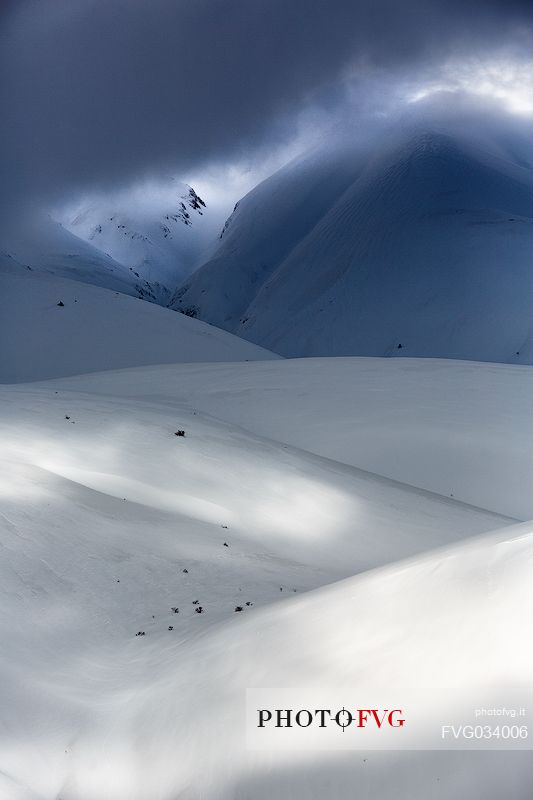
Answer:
(110, 521)
(261, 232)
(40, 244)
(457, 428)
(96, 329)
(351, 635)
(424, 250)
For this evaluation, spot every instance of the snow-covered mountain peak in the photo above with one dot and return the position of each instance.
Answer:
(418, 244)
(158, 231)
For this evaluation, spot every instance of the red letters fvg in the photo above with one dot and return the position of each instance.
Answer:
(304, 717)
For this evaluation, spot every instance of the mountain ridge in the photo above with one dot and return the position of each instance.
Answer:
(425, 252)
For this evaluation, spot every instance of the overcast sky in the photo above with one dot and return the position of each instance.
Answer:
(99, 93)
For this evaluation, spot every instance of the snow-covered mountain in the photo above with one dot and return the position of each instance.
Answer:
(158, 232)
(141, 242)
(420, 246)
(262, 231)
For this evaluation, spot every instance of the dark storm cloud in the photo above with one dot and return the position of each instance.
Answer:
(96, 91)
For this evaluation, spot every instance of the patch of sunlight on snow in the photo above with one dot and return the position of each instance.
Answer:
(238, 485)
(116, 776)
(140, 492)
(306, 507)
